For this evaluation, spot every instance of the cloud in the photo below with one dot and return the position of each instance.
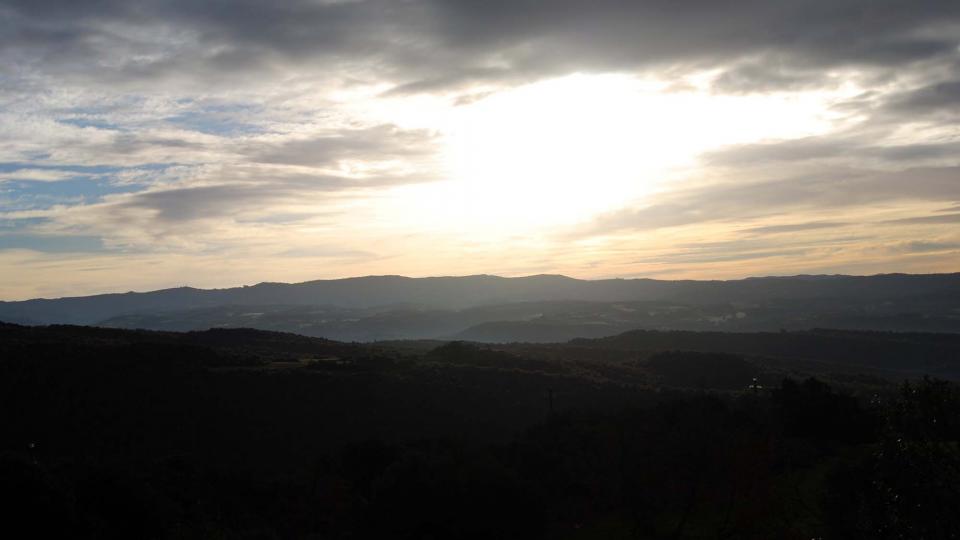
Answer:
(920, 246)
(719, 256)
(50, 244)
(939, 98)
(927, 220)
(422, 45)
(793, 227)
(849, 147)
(377, 143)
(217, 207)
(767, 76)
(277, 128)
(780, 151)
(326, 252)
(39, 175)
(739, 201)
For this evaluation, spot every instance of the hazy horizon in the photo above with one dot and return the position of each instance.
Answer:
(464, 276)
(153, 144)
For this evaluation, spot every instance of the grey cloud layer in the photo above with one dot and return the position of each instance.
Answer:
(420, 44)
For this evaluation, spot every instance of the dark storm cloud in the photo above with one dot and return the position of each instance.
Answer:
(941, 97)
(427, 44)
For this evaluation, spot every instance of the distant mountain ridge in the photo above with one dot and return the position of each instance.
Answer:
(457, 293)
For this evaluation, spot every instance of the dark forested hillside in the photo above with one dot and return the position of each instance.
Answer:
(893, 351)
(235, 433)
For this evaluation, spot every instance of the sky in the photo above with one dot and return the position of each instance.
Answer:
(158, 143)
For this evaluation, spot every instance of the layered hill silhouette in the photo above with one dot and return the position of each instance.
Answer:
(534, 308)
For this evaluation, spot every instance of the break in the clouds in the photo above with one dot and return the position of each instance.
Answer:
(156, 143)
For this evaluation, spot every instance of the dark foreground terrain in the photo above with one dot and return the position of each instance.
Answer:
(252, 434)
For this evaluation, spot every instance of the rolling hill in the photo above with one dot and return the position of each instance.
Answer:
(534, 308)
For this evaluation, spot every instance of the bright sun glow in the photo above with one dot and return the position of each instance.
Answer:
(563, 150)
